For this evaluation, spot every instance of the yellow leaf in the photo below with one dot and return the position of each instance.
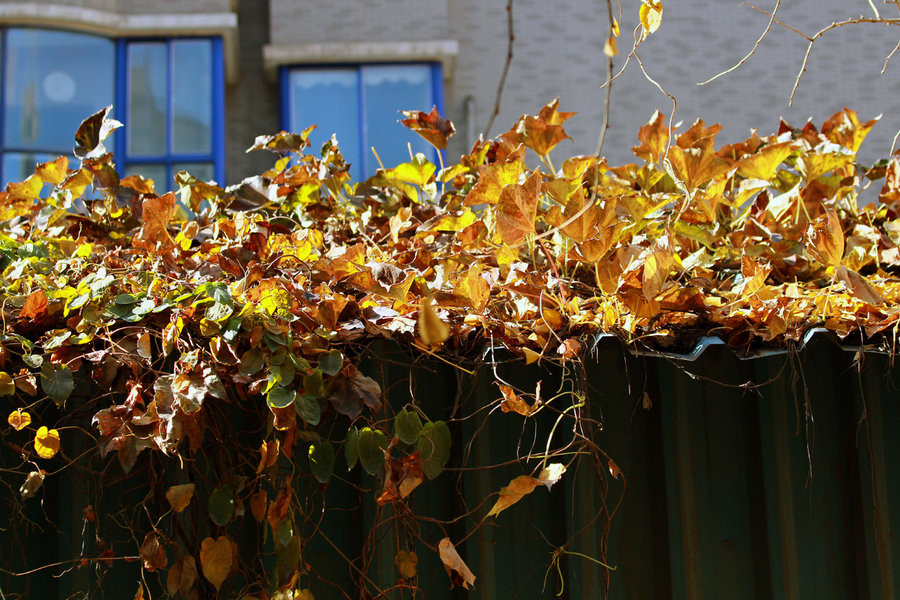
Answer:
(453, 563)
(54, 171)
(763, 164)
(530, 355)
(406, 564)
(19, 419)
(512, 402)
(610, 48)
(46, 442)
(432, 330)
(512, 493)
(179, 496)
(216, 558)
(7, 385)
(493, 179)
(474, 288)
(304, 594)
(517, 209)
(857, 285)
(651, 16)
(656, 268)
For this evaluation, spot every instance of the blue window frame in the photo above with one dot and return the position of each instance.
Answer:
(168, 92)
(360, 104)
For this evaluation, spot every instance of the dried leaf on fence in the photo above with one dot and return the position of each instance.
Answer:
(456, 568)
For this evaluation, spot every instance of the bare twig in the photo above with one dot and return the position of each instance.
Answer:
(607, 85)
(753, 51)
(889, 57)
(509, 57)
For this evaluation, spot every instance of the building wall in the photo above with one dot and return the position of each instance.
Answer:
(558, 52)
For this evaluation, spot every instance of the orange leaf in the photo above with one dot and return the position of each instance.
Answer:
(512, 493)
(258, 505)
(844, 128)
(157, 211)
(653, 137)
(179, 496)
(457, 570)
(541, 132)
(430, 126)
(46, 442)
(656, 268)
(517, 209)
(432, 330)
(216, 558)
(695, 166)
(827, 239)
(35, 306)
(19, 419)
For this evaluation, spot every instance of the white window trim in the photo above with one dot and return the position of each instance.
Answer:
(112, 24)
(441, 51)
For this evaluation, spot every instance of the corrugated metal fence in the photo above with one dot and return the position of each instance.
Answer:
(772, 477)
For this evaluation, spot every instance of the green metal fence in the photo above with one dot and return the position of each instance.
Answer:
(725, 478)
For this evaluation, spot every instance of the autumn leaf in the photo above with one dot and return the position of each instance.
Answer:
(258, 504)
(827, 239)
(406, 563)
(541, 132)
(517, 209)
(156, 213)
(181, 576)
(33, 483)
(651, 16)
(430, 126)
(179, 496)
(474, 288)
(46, 442)
(7, 384)
(35, 306)
(694, 166)
(54, 171)
(513, 403)
(152, 553)
(432, 330)
(216, 559)
(493, 179)
(763, 163)
(457, 570)
(92, 132)
(657, 263)
(551, 474)
(653, 137)
(19, 419)
(857, 285)
(512, 493)
(845, 128)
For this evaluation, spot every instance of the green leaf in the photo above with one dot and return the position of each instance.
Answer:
(321, 460)
(251, 362)
(371, 449)
(308, 408)
(221, 505)
(284, 532)
(407, 426)
(57, 382)
(331, 362)
(219, 292)
(313, 385)
(279, 397)
(434, 447)
(351, 447)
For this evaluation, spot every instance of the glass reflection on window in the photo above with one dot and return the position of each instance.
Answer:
(52, 81)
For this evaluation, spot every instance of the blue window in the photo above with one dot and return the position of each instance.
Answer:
(169, 94)
(360, 104)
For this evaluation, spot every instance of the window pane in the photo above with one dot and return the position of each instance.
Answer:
(18, 166)
(389, 89)
(53, 80)
(192, 96)
(157, 173)
(202, 171)
(328, 98)
(147, 90)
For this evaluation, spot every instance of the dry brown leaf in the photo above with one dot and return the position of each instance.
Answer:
(513, 403)
(182, 576)
(406, 563)
(456, 568)
(152, 553)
